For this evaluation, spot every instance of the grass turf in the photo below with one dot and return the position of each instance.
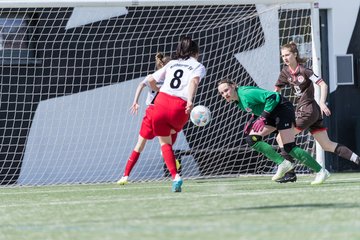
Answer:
(238, 208)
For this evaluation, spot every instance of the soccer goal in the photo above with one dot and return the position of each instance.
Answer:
(70, 69)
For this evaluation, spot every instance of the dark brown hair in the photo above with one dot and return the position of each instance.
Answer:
(293, 48)
(225, 80)
(186, 48)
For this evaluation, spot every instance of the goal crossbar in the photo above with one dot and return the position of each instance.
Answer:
(126, 3)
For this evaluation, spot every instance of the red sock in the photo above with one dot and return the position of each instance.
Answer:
(131, 162)
(173, 138)
(169, 159)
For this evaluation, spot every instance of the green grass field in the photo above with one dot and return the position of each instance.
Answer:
(237, 208)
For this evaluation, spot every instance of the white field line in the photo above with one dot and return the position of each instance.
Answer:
(181, 196)
(212, 183)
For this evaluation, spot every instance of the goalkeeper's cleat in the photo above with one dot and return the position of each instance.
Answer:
(176, 186)
(283, 168)
(289, 177)
(123, 180)
(321, 177)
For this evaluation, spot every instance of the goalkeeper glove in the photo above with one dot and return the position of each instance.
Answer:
(260, 123)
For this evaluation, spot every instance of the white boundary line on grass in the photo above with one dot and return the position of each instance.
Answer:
(182, 196)
(143, 185)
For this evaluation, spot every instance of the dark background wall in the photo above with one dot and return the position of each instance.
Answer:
(344, 102)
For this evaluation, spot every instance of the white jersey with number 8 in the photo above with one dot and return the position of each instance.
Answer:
(177, 75)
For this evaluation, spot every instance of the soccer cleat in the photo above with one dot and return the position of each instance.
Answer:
(283, 168)
(357, 161)
(289, 177)
(176, 186)
(321, 177)
(123, 180)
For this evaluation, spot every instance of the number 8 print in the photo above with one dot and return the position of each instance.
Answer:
(176, 81)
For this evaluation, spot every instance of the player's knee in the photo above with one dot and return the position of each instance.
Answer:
(289, 146)
(252, 139)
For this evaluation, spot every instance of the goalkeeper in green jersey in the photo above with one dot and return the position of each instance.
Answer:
(273, 112)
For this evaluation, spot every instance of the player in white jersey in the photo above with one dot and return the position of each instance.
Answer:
(146, 129)
(174, 102)
(178, 75)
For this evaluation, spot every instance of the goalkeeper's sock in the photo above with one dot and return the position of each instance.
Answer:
(305, 158)
(169, 158)
(131, 162)
(268, 151)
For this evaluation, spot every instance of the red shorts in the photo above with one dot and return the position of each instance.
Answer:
(167, 113)
(146, 130)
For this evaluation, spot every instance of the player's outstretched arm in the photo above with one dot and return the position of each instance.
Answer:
(135, 105)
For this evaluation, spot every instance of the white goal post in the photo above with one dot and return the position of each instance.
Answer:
(70, 69)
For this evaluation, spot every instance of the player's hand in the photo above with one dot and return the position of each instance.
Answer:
(259, 124)
(249, 125)
(134, 108)
(324, 109)
(189, 107)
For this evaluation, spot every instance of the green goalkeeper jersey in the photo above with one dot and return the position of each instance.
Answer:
(256, 100)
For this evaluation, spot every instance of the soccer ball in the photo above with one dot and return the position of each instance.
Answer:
(200, 116)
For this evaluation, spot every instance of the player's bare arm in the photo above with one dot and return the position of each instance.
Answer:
(323, 95)
(135, 105)
(152, 83)
(194, 83)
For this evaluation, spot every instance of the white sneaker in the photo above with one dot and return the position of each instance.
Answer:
(283, 168)
(321, 177)
(123, 180)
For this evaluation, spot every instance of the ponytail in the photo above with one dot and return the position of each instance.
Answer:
(161, 60)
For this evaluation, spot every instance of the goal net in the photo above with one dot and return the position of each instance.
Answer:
(69, 72)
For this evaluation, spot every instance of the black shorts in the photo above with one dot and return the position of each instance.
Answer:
(308, 116)
(283, 115)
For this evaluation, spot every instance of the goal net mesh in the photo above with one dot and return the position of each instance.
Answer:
(69, 74)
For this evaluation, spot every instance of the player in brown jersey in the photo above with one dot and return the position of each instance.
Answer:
(309, 114)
